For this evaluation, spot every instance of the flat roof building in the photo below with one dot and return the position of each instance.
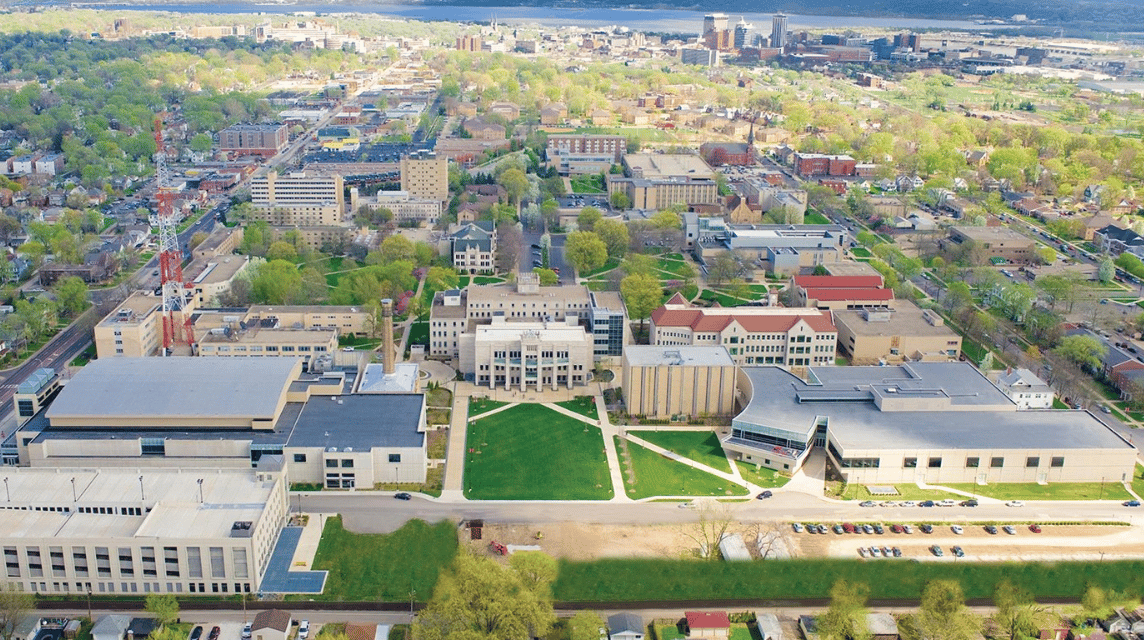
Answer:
(661, 382)
(657, 181)
(919, 422)
(906, 332)
(996, 242)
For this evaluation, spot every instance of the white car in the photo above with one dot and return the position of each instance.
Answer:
(908, 503)
(947, 503)
(957, 529)
(303, 629)
(1014, 503)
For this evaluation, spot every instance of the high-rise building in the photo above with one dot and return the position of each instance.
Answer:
(744, 34)
(714, 22)
(425, 175)
(779, 31)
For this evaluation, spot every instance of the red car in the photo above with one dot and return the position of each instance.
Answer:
(847, 527)
(897, 528)
(1035, 528)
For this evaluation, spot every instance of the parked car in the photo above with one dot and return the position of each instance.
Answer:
(875, 552)
(868, 503)
(303, 629)
(887, 503)
(1014, 503)
(958, 551)
(990, 529)
(908, 503)
(797, 526)
(896, 528)
(1035, 528)
(838, 529)
(862, 551)
(936, 550)
(764, 495)
(927, 528)
(1009, 529)
(822, 528)
(969, 503)
(867, 529)
(401, 495)
(196, 633)
(927, 503)
(957, 530)
(247, 631)
(878, 529)
(907, 529)
(947, 503)
(897, 552)
(215, 631)
(847, 527)
(1132, 503)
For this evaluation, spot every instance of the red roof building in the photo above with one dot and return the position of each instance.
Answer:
(795, 337)
(708, 624)
(836, 293)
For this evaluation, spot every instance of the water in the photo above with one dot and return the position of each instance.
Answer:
(664, 20)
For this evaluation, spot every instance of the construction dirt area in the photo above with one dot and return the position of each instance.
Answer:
(579, 541)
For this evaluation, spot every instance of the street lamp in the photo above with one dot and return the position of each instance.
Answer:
(142, 494)
(75, 498)
(200, 490)
(6, 491)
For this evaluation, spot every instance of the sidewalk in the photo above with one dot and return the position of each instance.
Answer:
(453, 485)
(308, 543)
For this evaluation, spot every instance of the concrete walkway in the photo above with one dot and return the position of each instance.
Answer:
(810, 478)
(308, 543)
(667, 453)
(453, 485)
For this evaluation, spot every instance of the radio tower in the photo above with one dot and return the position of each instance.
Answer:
(170, 256)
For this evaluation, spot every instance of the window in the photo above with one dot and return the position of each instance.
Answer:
(126, 564)
(348, 463)
(331, 464)
(194, 562)
(57, 555)
(972, 463)
(1032, 462)
(996, 463)
(240, 570)
(1057, 461)
(12, 560)
(148, 561)
(910, 463)
(395, 457)
(218, 564)
(171, 562)
(299, 457)
(935, 463)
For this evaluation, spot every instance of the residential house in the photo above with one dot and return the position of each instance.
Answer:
(273, 624)
(109, 627)
(553, 113)
(769, 626)
(1025, 389)
(1115, 240)
(473, 246)
(507, 110)
(881, 626)
(1095, 223)
(709, 625)
(482, 130)
(141, 628)
(906, 184)
(626, 626)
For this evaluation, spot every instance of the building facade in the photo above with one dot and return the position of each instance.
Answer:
(473, 247)
(524, 355)
(752, 335)
(906, 332)
(657, 181)
(298, 199)
(579, 154)
(424, 175)
(664, 382)
(264, 140)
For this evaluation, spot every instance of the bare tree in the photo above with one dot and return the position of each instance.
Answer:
(709, 529)
(509, 241)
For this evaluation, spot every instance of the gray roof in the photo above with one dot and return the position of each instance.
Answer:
(881, 624)
(701, 356)
(769, 626)
(629, 622)
(1020, 376)
(402, 380)
(979, 415)
(186, 387)
(360, 421)
(112, 625)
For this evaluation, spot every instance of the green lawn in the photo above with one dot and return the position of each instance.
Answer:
(530, 452)
(1057, 404)
(1138, 481)
(464, 281)
(905, 492)
(1053, 491)
(610, 264)
(722, 298)
(764, 477)
(418, 334)
(583, 405)
(590, 183)
(815, 218)
(668, 632)
(477, 406)
(700, 446)
(384, 567)
(656, 475)
(628, 580)
(861, 252)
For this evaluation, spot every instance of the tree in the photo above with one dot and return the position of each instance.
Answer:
(71, 295)
(1017, 613)
(509, 241)
(515, 184)
(548, 277)
(586, 625)
(281, 250)
(643, 263)
(725, 266)
(201, 143)
(441, 278)
(1085, 352)
(615, 236)
(198, 238)
(536, 569)
(14, 605)
(9, 227)
(866, 239)
(585, 251)
(481, 599)
(1099, 603)
(708, 531)
(642, 295)
(1106, 271)
(1046, 255)
(165, 608)
(277, 282)
(619, 200)
(942, 614)
(845, 619)
(396, 247)
(588, 218)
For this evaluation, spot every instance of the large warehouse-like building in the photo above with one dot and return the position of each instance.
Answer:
(936, 423)
(228, 413)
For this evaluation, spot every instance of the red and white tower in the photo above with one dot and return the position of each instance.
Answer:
(170, 255)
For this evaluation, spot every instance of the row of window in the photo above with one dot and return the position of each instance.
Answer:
(33, 566)
(996, 462)
(267, 348)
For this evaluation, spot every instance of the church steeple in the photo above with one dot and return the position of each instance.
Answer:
(751, 134)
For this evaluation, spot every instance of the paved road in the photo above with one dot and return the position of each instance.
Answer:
(382, 514)
(55, 355)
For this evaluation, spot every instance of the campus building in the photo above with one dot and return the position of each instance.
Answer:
(425, 176)
(264, 140)
(229, 413)
(663, 382)
(779, 249)
(473, 247)
(928, 422)
(298, 199)
(136, 531)
(753, 335)
(996, 242)
(657, 181)
(523, 355)
(906, 332)
(841, 292)
(574, 154)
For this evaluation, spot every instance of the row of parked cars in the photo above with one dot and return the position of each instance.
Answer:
(878, 529)
(955, 550)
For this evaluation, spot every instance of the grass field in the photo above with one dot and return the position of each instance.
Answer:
(815, 218)
(861, 252)
(418, 334)
(530, 452)
(626, 580)
(610, 264)
(701, 446)
(583, 405)
(464, 281)
(477, 406)
(764, 477)
(722, 298)
(384, 567)
(1053, 491)
(656, 475)
(589, 183)
(905, 492)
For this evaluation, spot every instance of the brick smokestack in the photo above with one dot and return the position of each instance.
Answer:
(387, 335)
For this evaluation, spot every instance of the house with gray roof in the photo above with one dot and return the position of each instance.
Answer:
(626, 626)
(473, 247)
